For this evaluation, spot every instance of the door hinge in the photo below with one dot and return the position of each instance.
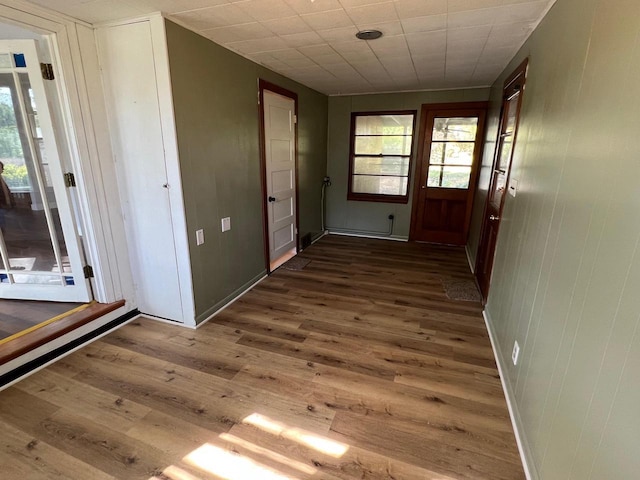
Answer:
(88, 271)
(69, 179)
(295, 119)
(47, 71)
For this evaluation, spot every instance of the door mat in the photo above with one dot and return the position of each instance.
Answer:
(464, 290)
(296, 263)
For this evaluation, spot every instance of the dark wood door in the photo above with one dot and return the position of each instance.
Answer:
(501, 170)
(451, 144)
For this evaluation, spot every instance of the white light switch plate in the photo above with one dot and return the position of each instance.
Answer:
(199, 237)
(226, 224)
(516, 353)
(513, 187)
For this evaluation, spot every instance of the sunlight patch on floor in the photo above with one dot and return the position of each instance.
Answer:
(304, 468)
(298, 435)
(231, 466)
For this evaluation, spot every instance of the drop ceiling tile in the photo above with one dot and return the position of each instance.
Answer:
(376, 13)
(419, 8)
(287, 25)
(427, 42)
(175, 6)
(329, 19)
(468, 35)
(388, 29)
(484, 16)
(396, 45)
(342, 34)
(307, 6)
(263, 10)
(353, 46)
(355, 51)
(465, 5)
(435, 70)
(427, 23)
(270, 32)
(218, 16)
(302, 39)
(236, 33)
(258, 45)
(359, 3)
(317, 50)
(522, 12)
(343, 70)
(329, 60)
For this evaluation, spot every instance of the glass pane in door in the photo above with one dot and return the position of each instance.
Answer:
(31, 228)
(453, 142)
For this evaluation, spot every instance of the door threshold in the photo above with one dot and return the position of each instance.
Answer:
(54, 328)
(283, 259)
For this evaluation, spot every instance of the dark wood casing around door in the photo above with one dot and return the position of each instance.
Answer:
(442, 215)
(500, 176)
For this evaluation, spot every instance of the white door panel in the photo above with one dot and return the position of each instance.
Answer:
(127, 58)
(279, 134)
(40, 250)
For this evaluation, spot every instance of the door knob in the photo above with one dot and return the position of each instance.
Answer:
(494, 217)
(272, 199)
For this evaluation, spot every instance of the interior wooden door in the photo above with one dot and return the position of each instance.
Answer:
(280, 172)
(451, 145)
(501, 171)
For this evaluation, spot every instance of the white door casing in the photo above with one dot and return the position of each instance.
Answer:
(77, 290)
(280, 166)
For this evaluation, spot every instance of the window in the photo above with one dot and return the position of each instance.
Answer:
(453, 142)
(381, 144)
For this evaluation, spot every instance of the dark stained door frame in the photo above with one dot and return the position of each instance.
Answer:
(446, 197)
(262, 86)
(500, 175)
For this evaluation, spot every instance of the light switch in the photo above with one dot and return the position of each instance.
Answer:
(199, 237)
(226, 224)
(513, 187)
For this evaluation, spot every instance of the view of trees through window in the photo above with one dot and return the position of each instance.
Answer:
(11, 154)
(452, 148)
(381, 146)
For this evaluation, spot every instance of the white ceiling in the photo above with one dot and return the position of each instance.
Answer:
(427, 44)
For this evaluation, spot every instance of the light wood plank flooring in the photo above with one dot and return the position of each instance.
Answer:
(356, 367)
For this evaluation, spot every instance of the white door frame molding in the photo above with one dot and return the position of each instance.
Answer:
(81, 103)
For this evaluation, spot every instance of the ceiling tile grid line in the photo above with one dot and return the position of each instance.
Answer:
(426, 44)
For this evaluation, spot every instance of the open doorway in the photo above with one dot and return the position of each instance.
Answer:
(40, 252)
(278, 131)
(42, 264)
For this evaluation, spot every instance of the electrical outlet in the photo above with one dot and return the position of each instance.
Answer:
(199, 237)
(226, 224)
(515, 353)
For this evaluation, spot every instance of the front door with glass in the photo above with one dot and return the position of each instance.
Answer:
(40, 253)
(452, 137)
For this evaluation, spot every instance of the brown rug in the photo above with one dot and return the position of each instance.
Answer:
(296, 263)
(464, 290)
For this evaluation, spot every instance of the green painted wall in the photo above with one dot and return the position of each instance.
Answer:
(567, 271)
(215, 95)
(354, 217)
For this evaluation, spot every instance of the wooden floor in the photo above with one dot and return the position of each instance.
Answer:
(18, 315)
(356, 367)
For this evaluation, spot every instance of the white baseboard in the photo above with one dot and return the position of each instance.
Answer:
(523, 446)
(471, 262)
(395, 238)
(233, 298)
